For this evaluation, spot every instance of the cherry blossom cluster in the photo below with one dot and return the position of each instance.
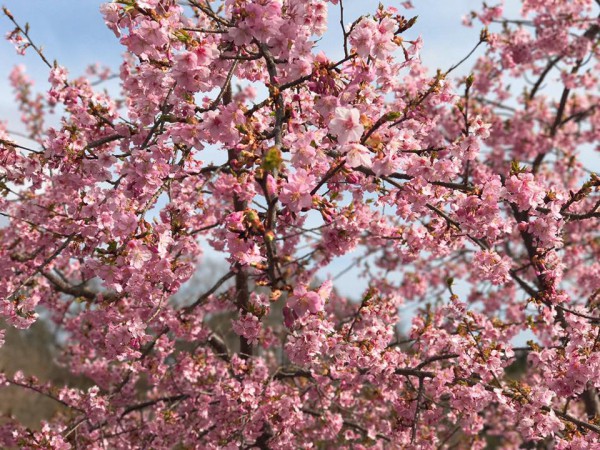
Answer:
(470, 201)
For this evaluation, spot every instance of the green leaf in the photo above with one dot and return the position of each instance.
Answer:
(272, 159)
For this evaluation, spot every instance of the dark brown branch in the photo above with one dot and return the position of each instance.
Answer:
(104, 140)
(575, 421)
(208, 293)
(15, 145)
(42, 266)
(436, 358)
(79, 290)
(344, 33)
(149, 403)
(409, 372)
(413, 433)
(542, 76)
(220, 347)
(227, 83)
(347, 424)
(283, 373)
(455, 66)
(329, 175)
(25, 33)
(576, 313)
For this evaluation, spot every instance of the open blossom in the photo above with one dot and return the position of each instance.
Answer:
(357, 155)
(190, 72)
(524, 191)
(546, 231)
(362, 37)
(138, 253)
(346, 125)
(110, 11)
(248, 325)
(263, 20)
(304, 300)
(164, 241)
(384, 38)
(296, 192)
(239, 140)
(480, 127)
(58, 76)
(490, 266)
(191, 68)
(373, 39)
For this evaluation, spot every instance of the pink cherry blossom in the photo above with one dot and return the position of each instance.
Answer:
(173, 228)
(357, 155)
(296, 192)
(524, 191)
(247, 326)
(346, 125)
(492, 267)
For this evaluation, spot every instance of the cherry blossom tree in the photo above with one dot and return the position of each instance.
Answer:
(472, 201)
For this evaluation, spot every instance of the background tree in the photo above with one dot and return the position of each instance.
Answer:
(460, 196)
